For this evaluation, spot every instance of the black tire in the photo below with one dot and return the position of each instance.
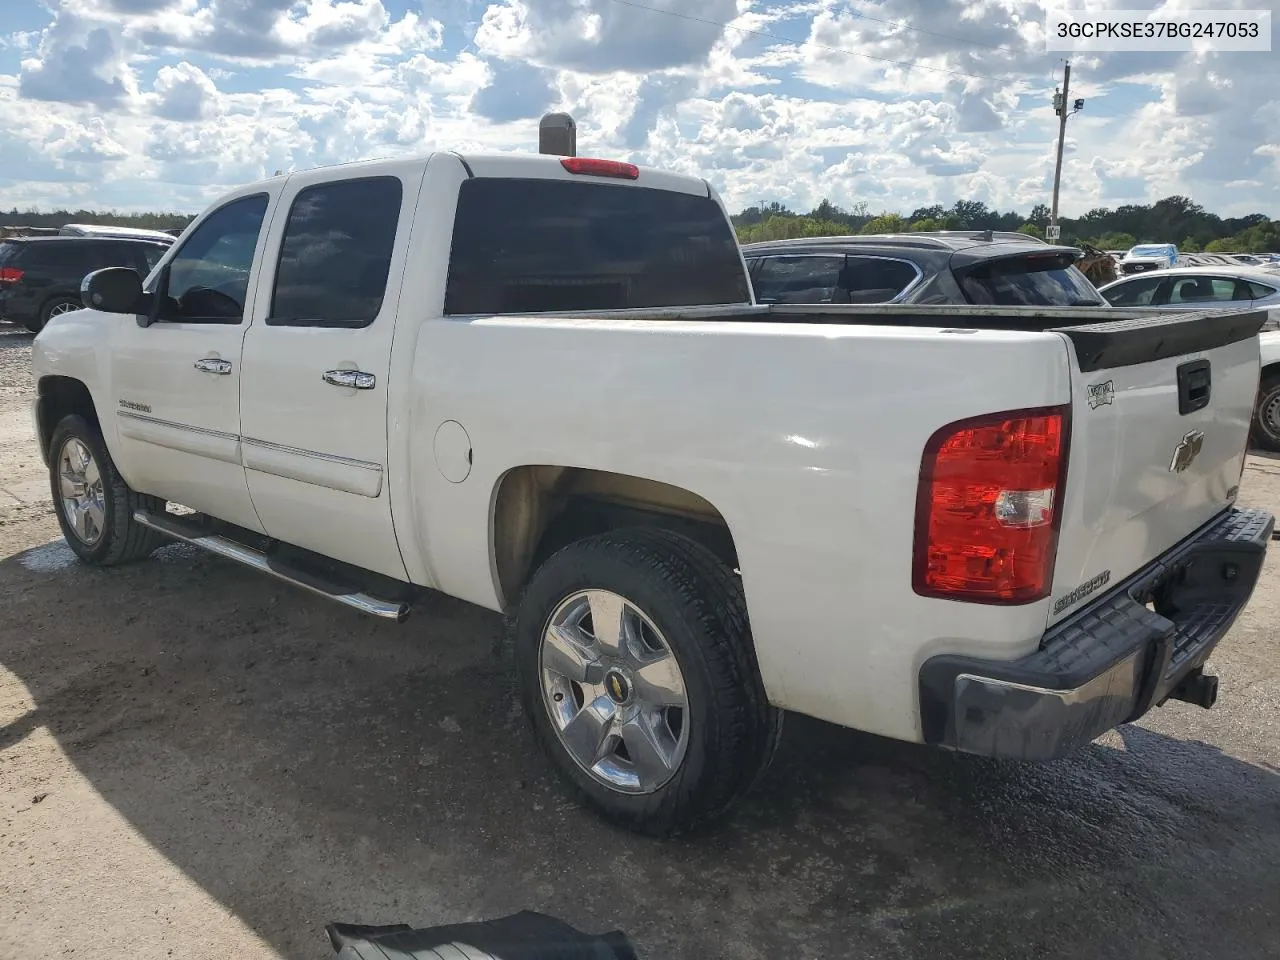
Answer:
(47, 311)
(1266, 415)
(121, 539)
(698, 605)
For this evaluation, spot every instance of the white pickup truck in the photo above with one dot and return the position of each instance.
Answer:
(541, 385)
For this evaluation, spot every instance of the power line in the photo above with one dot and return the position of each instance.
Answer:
(909, 64)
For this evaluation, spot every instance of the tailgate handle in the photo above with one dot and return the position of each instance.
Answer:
(1193, 386)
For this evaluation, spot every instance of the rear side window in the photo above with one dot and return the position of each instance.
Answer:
(336, 254)
(800, 279)
(1037, 281)
(60, 258)
(878, 279)
(8, 250)
(1256, 290)
(526, 246)
(1206, 290)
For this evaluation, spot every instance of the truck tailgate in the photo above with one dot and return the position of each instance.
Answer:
(1160, 417)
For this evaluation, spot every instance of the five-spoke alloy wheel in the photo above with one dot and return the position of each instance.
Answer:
(93, 503)
(82, 502)
(614, 691)
(639, 678)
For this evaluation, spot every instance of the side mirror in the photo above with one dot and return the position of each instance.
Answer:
(114, 290)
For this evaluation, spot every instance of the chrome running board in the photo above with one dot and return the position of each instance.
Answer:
(221, 546)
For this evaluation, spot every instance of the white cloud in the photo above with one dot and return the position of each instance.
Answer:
(138, 103)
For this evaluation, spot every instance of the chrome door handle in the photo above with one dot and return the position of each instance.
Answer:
(353, 379)
(214, 365)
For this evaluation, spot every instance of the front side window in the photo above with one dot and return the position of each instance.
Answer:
(1135, 293)
(800, 279)
(336, 254)
(208, 279)
(151, 254)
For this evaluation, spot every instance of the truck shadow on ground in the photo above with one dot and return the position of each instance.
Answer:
(302, 764)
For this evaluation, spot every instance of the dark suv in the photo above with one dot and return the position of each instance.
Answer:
(946, 267)
(40, 276)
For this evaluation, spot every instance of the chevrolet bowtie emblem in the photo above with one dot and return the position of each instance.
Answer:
(1186, 451)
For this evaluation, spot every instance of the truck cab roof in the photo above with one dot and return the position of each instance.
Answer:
(532, 166)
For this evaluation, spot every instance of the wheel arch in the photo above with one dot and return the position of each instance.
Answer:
(539, 508)
(58, 397)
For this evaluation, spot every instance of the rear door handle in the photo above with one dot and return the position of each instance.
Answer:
(214, 365)
(352, 379)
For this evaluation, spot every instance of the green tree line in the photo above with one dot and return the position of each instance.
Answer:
(59, 218)
(1171, 220)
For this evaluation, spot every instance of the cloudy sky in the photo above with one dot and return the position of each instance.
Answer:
(162, 104)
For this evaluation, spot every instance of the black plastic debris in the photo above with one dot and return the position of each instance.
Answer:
(521, 936)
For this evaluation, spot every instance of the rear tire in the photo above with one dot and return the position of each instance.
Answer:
(1266, 416)
(93, 503)
(53, 308)
(662, 769)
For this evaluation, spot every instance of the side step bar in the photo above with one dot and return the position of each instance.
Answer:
(222, 546)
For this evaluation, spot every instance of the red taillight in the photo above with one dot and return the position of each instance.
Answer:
(10, 274)
(989, 506)
(601, 168)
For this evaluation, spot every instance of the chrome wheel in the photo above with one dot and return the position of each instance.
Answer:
(614, 692)
(80, 487)
(59, 309)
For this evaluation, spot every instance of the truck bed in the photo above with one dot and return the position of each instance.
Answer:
(944, 316)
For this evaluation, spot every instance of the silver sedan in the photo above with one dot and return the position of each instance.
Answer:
(1201, 288)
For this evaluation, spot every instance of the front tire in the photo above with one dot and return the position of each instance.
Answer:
(93, 503)
(1266, 416)
(637, 673)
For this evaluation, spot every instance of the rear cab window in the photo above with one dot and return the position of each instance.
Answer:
(531, 246)
(1038, 280)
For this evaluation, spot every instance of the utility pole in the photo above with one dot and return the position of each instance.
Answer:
(1060, 105)
(1064, 108)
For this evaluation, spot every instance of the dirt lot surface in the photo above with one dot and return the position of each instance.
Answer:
(198, 762)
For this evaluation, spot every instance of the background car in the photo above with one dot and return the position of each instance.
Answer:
(1201, 288)
(40, 276)
(943, 267)
(1149, 256)
(106, 230)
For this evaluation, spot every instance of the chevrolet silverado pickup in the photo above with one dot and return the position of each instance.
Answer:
(542, 385)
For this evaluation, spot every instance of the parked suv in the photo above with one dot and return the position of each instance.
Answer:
(944, 267)
(40, 276)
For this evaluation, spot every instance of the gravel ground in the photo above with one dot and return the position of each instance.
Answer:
(198, 762)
